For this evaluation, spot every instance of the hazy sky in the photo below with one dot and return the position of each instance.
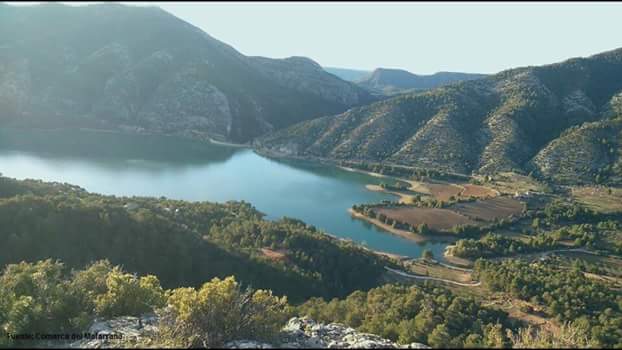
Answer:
(420, 37)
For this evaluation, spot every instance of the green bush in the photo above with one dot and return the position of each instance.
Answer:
(218, 312)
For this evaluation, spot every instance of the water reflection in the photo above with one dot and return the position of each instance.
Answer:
(192, 170)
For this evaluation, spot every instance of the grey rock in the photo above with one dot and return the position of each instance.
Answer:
(298, 333)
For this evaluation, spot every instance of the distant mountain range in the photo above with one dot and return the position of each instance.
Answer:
(143, 69)
(386, 81)
(392, 81)
(559, 121)
(347, 74)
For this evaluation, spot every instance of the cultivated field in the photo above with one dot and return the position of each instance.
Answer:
(443, 191)
(477, 191)
(599, 198)
(436, 219)
(510, 183)
(490, 209)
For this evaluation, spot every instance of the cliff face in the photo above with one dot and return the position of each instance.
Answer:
(298, 333)
(141, 68)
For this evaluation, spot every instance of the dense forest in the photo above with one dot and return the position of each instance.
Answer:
(425, 314)
(567, 295)
(182, 243)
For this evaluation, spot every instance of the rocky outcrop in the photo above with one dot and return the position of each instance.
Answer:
(111, 333)
(298, 333)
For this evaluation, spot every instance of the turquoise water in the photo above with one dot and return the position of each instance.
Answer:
(127, 165)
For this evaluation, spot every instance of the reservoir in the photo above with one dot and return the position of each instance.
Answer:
(162, 166)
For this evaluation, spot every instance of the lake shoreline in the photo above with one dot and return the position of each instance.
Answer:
(119, 131)
(403, 197)
(415, 237)
(206, 179)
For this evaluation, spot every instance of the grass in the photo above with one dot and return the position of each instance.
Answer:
(433, 270)
(510, 183)
(599, 198)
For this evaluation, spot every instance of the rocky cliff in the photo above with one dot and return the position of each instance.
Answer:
(298, 333)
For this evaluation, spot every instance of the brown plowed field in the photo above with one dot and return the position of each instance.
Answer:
(489, 209)
(443, 192)
(436, 219)
(477, 191)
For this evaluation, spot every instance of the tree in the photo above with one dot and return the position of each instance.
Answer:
(494, 337)
(427, 255)
(570, 335)
(218, 312)
(473, 341)
(423, 229)
(127, 294)
(439, 338)
(34, 298)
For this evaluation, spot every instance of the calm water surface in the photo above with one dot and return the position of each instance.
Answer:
(128, 165)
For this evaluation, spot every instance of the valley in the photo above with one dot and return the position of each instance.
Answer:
(151, 172)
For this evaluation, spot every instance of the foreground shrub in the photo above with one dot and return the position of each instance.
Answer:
(218, 312)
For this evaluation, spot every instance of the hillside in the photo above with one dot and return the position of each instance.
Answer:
(498, 123)
(141, 68)
(393, 81)
(182, 243)
(589, 153)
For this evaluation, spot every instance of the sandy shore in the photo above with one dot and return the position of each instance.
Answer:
(229, 144)
(364, 172)
(403, 198)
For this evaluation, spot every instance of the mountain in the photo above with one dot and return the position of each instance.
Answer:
(392, 81)
(386, 81)
(521, 119)
(141, 68)
(347, 74)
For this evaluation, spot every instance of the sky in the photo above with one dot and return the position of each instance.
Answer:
(420, 37)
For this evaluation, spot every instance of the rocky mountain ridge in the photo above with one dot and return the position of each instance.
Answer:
(504, 122)
(142, 69)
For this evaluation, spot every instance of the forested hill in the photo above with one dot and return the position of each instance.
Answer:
(143, 69)
(521, 119)
(182, 243)
(393, 81)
